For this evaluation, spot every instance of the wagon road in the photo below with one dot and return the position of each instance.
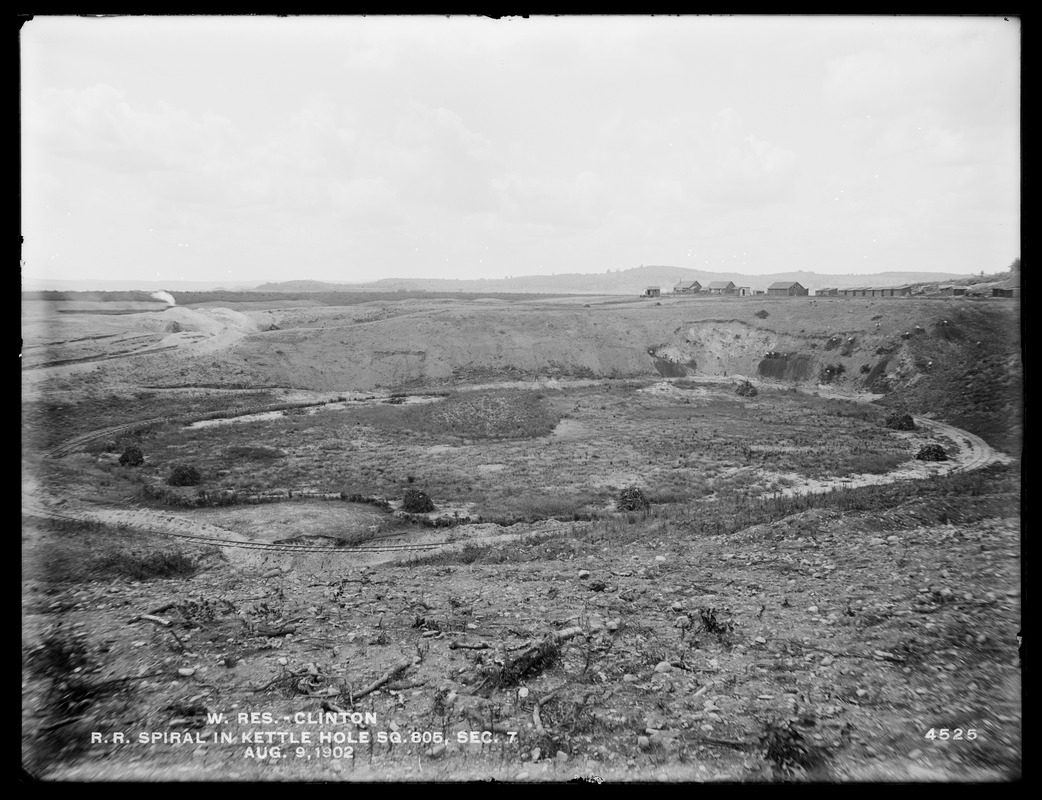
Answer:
(970, 453)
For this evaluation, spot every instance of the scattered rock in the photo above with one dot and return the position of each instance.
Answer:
(663, 666)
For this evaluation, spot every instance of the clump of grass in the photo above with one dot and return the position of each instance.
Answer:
(632, 499)
(146, 566)
(787, 751)
(253, 452)
(711, 624)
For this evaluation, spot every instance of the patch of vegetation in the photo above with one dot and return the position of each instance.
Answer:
(86, 553)
(254, 452)
(931, 452)
(416, 502)
(787, 751)
(762, 314)
(899, 421)
(184, 475)
(632, 499)
(497, 414)
(746, 389)
(132, 457)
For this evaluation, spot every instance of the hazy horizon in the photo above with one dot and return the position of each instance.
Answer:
(351, 149)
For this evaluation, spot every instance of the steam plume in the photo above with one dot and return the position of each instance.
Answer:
(166, 297)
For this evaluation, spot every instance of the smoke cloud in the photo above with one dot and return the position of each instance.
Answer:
(166, 297)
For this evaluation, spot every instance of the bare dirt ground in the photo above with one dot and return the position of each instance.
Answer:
(872, 641)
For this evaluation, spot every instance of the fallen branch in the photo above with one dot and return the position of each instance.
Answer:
(546, 698)
(393, 673)
(468, 646)
(283, 631)
(538, 656)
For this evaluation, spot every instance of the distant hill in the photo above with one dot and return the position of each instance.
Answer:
(626, 282)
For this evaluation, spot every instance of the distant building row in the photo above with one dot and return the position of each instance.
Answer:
(785, 288)
(865, 291)
(794, 289)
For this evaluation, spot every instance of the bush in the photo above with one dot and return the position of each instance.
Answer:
(416, 502)
(184, 475)
(931, 452)
(900, 422)
(746, 389)
(762, 313)
(633, 499)
(132, 457)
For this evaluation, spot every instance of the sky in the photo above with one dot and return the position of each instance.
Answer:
(352, 148)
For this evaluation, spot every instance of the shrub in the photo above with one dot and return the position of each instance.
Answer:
(132, 457)
(184, 475)
(931, 452)
(900, 422)
(762, 313)
(416, 502)
(746, 389)
(633, 499)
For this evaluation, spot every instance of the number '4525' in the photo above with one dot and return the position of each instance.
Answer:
(955, 734)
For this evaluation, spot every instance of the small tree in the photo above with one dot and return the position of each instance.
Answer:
(132, 457)
(184, 475)
(416, 502)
